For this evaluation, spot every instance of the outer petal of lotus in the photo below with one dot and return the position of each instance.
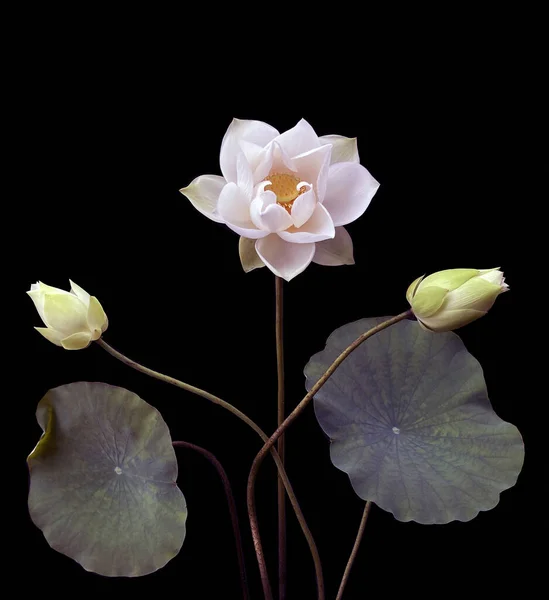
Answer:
(284, 259)
(65, 313)
(298, 139)
(494, 276)
(203, 193)
(244, 177)
(38, 299)
(427, 300)
(349, 192)
(249, 257)
(314, 166)
(37, 292)
(447, 320)
(267, 215)
(337, 251)
(234, 208)
(319, 227)
(240, 130)
(47, 289)
(412, 288)
(97, 319)
(449, 278)
(80, 293)
(344, 149)
(77, 341)
(475, 294)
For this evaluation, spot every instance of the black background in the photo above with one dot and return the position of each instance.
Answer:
(114, 125)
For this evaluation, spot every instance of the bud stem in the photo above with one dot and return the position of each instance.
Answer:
(281, 471)
(252, 513)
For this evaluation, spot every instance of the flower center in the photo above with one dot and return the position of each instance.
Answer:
(285, 187)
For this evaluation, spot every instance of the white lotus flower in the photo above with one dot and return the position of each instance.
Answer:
(453, 298)
(73, 319)
(288, 195)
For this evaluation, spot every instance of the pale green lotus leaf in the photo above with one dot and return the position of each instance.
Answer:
(410, 422)
(103, 480)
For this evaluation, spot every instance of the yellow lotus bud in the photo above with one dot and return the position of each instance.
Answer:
(73, 319)
(453, 298)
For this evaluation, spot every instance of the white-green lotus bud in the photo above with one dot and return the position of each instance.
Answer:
(453, 298)
(73, 319)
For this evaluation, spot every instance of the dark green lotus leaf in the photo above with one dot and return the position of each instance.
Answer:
(103, 480)
(410, 422)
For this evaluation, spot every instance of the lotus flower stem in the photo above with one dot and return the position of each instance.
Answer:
(354, 551)
(232, 509)
(282, 472)
(280, 444)
(252, 513)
